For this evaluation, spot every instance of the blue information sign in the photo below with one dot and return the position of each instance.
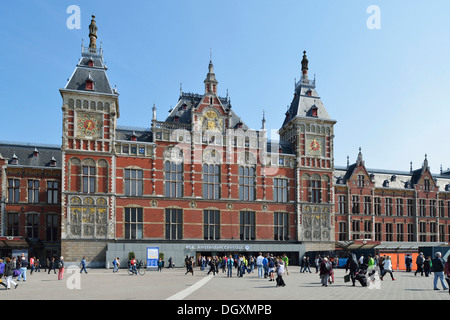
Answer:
(152, 256)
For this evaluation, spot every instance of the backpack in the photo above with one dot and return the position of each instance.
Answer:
(328, 265)
(60, 264)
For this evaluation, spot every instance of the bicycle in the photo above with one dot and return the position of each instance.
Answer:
(140, 268)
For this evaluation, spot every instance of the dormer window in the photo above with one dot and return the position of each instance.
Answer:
(35, 153)
(176, 119)
(53, 162)
(91, 63)
(393, 178)
(386, 183)
(239, 125)
(133, 137)
(89, 85)
(309, 93)
(314, 111)
(89, 82)
(14, 159)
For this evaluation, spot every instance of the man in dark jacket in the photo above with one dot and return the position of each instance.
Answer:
(438, 269)
(352, 265)
(419, 261)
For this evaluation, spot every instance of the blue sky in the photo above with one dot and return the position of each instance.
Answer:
(387, 88)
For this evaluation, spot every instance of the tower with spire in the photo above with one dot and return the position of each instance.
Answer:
(90, 111)
(310, 130)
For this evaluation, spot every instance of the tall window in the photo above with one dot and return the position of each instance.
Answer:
(13, 190)
(247, 183)
(378, 231)
(377, 206)
(174, 224)
(433, 231)
(355, 204)
(432, 208)
(280, 190)
(342, 231)
(361, 181)
(356, 228)
(410, 207)
(280, 226)
(315, 189)
(51, 227)
(342, 202)
(400, 232)
(12, 224)
(133, 182)
(368, 205)
(367, 229)
(410, 232)
(211, 224)
(134, 223)
(52, 192)
(33, 191)
(247, 225)
(422, 231)
(442, 233)
(211, 181)
(32, 226)
(427, 185)
(441, 209)
(388, 206)
(88, 179)
(422, 208)
(174, 179)
(389, 232)
(399, 207)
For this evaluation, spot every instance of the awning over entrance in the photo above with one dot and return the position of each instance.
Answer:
(14, 242)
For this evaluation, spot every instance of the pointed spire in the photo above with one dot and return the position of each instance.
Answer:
(305, 66)
(263, 127)
(425, 163)
(410, 167)
(348, 162)
(210, 81)
(93, 34)
(359, 160)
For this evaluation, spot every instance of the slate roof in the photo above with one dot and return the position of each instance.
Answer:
(188, 101)
(24, 153)
(124, 133)
(305, 99)
(97, 73)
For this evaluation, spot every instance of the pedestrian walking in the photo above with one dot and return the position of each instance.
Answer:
(2, 272)
(160, 264)
(189, 266)
(447, 272)
(427, 266)
(259, 265)
(408, 262)
(52, 265)
(22, 265)
(419, 262)
(170, 263)
(387, 268)
(32, 260)
(286, 263)
(324, 271)
(37, 265)
(116, 264)
(280, 270)
(212, 267)
(60, 265)
(438, 269)
(9, 273)
(83, 265)
(230, 264)
(352, 266)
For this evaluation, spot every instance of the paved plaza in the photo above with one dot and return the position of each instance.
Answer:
(173, 284)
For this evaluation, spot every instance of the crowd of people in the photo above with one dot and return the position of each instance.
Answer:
(15, 269)
(267, 266)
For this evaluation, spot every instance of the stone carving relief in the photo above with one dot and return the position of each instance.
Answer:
(316, 223)
(88, 217)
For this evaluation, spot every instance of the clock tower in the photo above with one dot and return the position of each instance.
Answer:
(90, 111)
(310, 130)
